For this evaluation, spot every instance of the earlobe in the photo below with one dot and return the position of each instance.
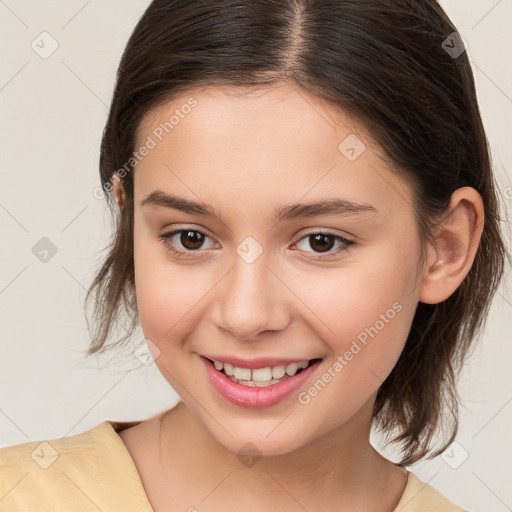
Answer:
(119, 193)
(456, 244)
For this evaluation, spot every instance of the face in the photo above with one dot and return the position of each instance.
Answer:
(337, 285)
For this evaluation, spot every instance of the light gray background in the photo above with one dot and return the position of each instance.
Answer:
(52, 116)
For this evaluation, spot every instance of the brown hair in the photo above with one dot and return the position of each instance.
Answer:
(387, 64)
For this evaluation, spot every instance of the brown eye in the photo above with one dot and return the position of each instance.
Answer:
(323, 243)
(188, 242)
(191, 240)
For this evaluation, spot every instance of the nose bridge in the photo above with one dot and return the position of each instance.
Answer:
(251, 299)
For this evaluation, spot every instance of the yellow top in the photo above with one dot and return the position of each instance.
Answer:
(94, 471)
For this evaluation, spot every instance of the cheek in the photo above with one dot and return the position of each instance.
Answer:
(375, 317)
(168, 300)
(364, 312)
(164, 295)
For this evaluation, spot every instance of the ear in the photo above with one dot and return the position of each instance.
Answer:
(119, 192)
(457, 239)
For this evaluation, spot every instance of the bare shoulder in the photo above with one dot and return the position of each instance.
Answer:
(143, 439)
(140, 438)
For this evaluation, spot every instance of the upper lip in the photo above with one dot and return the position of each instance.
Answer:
(253, 364)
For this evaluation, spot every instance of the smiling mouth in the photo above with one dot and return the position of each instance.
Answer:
(262, 377)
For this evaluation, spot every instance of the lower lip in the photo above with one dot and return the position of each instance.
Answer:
(254, 397)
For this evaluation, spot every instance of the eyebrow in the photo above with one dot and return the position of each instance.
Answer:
(335, 206)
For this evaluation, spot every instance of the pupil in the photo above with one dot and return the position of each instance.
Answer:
(321, 240)
(191, 237)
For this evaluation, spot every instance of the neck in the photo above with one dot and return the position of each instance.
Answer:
(340, 470)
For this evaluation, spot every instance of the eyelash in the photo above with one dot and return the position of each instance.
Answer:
(171, 246)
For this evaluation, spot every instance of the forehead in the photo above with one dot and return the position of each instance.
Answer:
(243, 109)
(263, 144)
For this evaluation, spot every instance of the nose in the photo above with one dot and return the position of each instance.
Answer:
(252, 299)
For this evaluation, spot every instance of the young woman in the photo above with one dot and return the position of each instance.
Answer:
(308, 233)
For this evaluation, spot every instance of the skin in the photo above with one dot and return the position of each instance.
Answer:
(247, 154)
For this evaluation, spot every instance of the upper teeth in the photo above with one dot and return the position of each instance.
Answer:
(260, 374)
